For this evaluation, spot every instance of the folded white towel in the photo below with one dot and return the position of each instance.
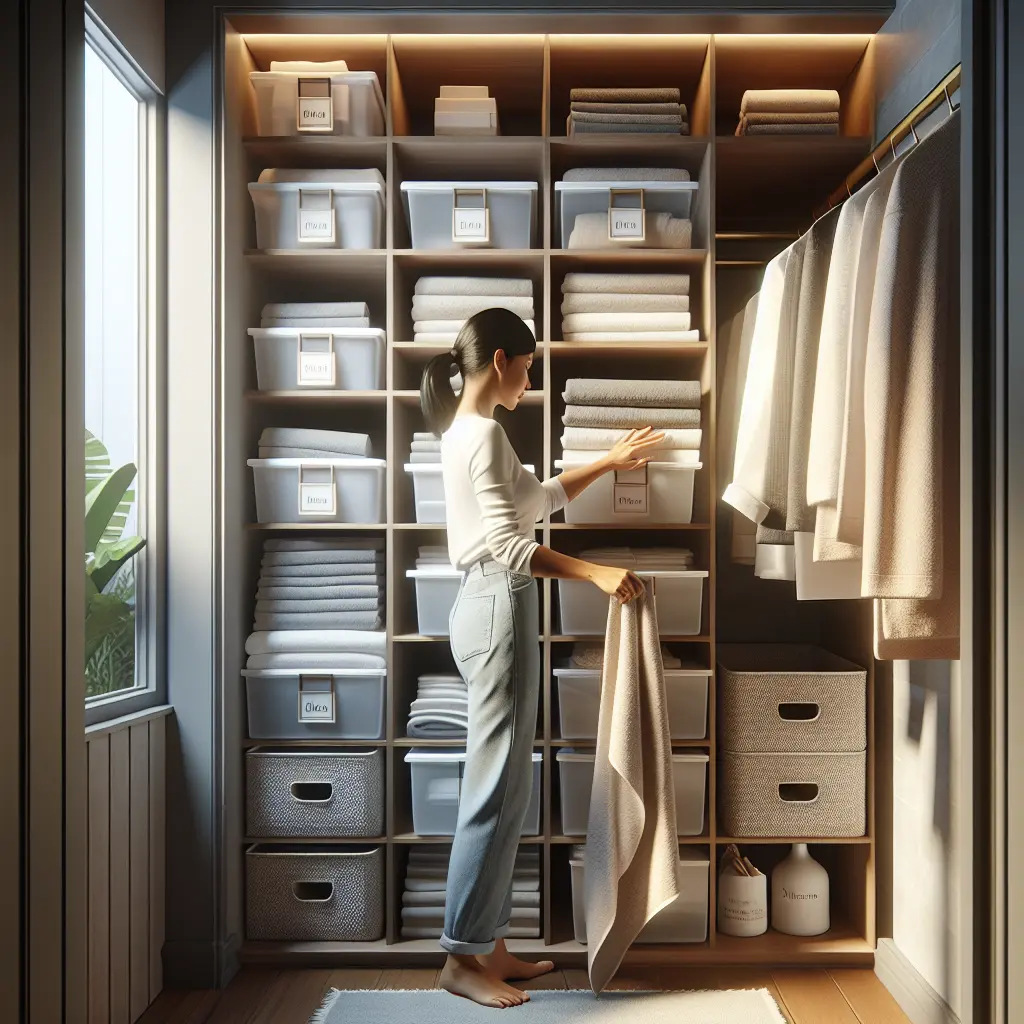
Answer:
(447, 339)
(600, 438)
(308, 66)
(459, 307)
(308, 641)
(316, 322)
(624, 302)
(318, 660)
(517, 287)
(632, 284)
(677, 456)
(637, 336)
(450, 328)
(304, 310)
(662, 231)
(581, 323)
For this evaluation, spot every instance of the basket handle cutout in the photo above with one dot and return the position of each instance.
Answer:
(798, 792)
(312, 792)
(799, 711)
(313, 892)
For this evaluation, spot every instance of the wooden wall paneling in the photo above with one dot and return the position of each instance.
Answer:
(703, 107)
(857, 96)
(120, 878)
(138, 869)
(157, 851)
(99, 880)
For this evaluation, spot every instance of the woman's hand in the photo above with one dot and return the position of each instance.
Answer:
(629, 452)
(622, 584)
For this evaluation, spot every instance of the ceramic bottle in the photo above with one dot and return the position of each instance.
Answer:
(800, 894)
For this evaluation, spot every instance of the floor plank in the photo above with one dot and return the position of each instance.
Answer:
(197, 1007)
(241, 1000)
(410, 978)
(164, 1007)
(275, 999)
(868, 997)
(552, 980)
(812, 997)
(356, 978)
(304, 995)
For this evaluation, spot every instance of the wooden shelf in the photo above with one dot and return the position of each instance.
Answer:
(607, 257)
(698, 527)
(671, 349)
(312, 527)
(317, 395)
(854, 841)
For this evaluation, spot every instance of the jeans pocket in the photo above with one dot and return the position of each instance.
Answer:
(472, 623)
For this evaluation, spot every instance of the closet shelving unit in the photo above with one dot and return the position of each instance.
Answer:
(755, 194)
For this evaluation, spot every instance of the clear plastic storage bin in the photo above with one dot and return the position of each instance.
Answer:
(685, 919)
(575, 197)
(437, 786)
(660, 492)
(436, 591)
(319, 209)
(335, 103)
(576, 777)
(428, 490)
(678, 596)
(288, 704)
(345, 359)
(454, 214)
(319, 490)
(579, 702)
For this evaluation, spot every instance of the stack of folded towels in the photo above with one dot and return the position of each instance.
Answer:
(636, 111)
(321, 585)
(306, 443)
(591, 656)
(316, 648)
(441, 305)
(434, 556)
(315, 315)
(426, 889)
(627, 307)
(662, 230)
(441, 708)
(426, 447)
(599, 412)
(465, 110)
(642, 559)
(789, 112)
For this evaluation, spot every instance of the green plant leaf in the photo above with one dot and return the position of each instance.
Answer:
(104, 613)
(102, 502)
(97, 461)
(110, 557)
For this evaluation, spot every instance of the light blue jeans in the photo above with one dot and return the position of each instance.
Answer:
(493, 628)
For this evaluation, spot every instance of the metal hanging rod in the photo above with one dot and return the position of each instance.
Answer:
(941, 94)
(753, 236)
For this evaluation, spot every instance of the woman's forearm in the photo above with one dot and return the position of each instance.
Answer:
(548, 563)
(579, 478)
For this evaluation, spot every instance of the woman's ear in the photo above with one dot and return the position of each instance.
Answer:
(500, 361)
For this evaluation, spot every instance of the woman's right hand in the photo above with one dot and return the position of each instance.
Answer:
(622, 584)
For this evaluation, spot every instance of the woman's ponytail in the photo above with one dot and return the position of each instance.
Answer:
(438, 400)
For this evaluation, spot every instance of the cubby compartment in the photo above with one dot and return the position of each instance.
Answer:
(511, 66)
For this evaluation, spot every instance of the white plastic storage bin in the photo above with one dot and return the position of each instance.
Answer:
(579, 702)
(319, 209)
(348, 359)
(678, 595)
(319, 490)
(685, 919)
(660, 492)
(311, 792)
(317, 891)
(436, 591)
(289, 704)
(576, 777)
(338, 103)
(575, 197)
(428, 491)
(437, 787)
(454, 214)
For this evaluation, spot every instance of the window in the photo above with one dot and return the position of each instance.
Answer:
(122, 614)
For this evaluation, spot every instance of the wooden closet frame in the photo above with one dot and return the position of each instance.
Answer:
(786, 176)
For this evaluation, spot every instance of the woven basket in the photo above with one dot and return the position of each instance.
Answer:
(817, 796)
(778, 698)
(313, 794)
(314, 892)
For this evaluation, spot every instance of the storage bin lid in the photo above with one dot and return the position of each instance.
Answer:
(570, 755)
(574, 672)
(311, 850)
(346, 752)
(662, 466)
(650, 185)
(342, 462)
(433, 468)
(444, 756)
(374, 334)
(451, 186)
(291, 673)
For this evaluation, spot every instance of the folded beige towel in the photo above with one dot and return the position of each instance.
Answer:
(675, 394)
(600, 438)
(788, 129)
(447, 338)
(632, 284)
(813, 117)
(663, 231)
(517, 287)
(451, 307)
(628, 417)
(637, 336)
(617, 95)
(308, 66)
(629, 108)
(676, 456)
(586, 117)
(784, 101)
(573, 127)
(574, 323)
(632, 847)
(622, 302)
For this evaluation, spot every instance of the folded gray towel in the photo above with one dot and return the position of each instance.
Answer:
(424, 435)
(789, 100)
(312, 309)
(346, 555)
(518, 287)
(623, 95)
(575, 323)
(307, 583)
(673, 394)
(424, 457)
(632, 284)
(629, 108)
(327, 544)
(268, 452)
(341, 570)
(318, 620)
(603, 438)
(344, 592)
(587, 127)
(455, 307)
(627, 417)
(623, 302)
(312, 323)
(626, 174)
(791, 129)
(662, 231)
(425, 446)
(274, 606)
(324, 660)
(587, 117)
(338, 441)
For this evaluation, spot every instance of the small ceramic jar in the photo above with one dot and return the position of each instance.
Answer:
(742, 904)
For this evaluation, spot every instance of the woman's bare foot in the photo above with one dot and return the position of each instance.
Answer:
(504, 965)
(466, 976)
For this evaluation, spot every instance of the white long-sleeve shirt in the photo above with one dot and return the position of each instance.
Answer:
(492, 502)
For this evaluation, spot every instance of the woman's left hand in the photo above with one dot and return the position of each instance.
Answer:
(629, 452)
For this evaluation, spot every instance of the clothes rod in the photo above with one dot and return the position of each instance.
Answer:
(942, 93)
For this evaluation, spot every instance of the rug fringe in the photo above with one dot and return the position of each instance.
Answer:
(320, 1015)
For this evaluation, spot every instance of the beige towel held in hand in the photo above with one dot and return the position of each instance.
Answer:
(632, 845)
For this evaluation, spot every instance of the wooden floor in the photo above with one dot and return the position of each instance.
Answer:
(261, 996)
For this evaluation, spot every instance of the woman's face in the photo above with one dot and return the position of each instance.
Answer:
(513, 378)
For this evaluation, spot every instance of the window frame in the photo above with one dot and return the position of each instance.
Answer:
(150, 484)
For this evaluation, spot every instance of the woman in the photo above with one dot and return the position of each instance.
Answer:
(492, 505)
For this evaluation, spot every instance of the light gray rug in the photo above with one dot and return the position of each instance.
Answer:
(552, 1006)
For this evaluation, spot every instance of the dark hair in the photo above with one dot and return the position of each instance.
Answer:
(483, 334)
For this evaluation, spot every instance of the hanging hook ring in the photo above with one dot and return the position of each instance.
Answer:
(949, 101)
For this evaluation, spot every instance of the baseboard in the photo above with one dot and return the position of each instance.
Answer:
(918, 1000)
(200, 965)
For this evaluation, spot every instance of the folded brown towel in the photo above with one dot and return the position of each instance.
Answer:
(632, 128)
(615, 95)
(629, 108)
(789, 100)
(791, 117)
(790, 129)
(578, 116)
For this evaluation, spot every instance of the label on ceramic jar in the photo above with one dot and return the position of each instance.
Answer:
(316, 699)
(745, 909)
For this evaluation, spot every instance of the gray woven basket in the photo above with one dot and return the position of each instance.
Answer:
(314, 793)
(817, 796)
(314, 892)
(778, 698)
